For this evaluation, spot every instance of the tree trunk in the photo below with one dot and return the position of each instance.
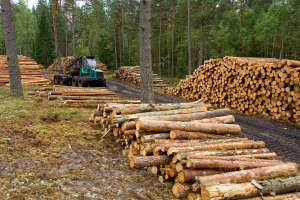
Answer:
(227, 165)
(124, 118)
(128, 126)
(188, 175)
(173, 36)
(73, 29)
(221, 120)
(225, 146)
(147, 161)
(149, 138)
(181, 189)
(132, 109)
(192, 116)
(159, 43)
(189, 40)
(180, 135)
(291, 196)
(194, 196)
(166, 126)
(55, 38)
(246, 190)
(116, 52)
(15, 84)
(146, 84)
(235, 157)
(284, 170)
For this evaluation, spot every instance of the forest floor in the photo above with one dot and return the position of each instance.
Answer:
(53, 152)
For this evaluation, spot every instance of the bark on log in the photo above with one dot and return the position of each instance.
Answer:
(140, 133)
(279, 185)
(124, 118)
(191, 116)
(194, 196)
(284, 170)
(230, 158)
(158, 107)
(221, 120)
(147, 152)
(129, 132)
(224, 146)
(149, 138)
(181, 189)
(244, 152)
(167, 126)
(180, 135)
(227, 165)
(147, 161)
(191, 143)
(291, 196)
(188, 175)
(128, 126)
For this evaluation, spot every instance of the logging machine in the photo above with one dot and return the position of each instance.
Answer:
(81, 71)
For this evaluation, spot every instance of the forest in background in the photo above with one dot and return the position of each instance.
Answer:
(109, 30)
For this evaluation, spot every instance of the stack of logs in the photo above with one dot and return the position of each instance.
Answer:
(66, 60)
(30, 71)
(251, 85)
(131, 74)
(82, 97)
(192, 145)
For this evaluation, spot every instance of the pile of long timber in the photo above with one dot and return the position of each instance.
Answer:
(66, 60)
(131, 74)
(195, 149)
(30, 71)
(82, 97)
(251, 85)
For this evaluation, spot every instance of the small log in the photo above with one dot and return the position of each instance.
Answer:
(224, 146)
(147, 161)
(279, 185)
(194, 196)
(155, 170)
(181, 189)
(188, 175)
(291, 196)
(231, 158)
(149, 138)
(180, 135)
(146, 151)
(221, 120)
(190, 116)
(283, 170)
(166, 126)
(141, 133)
(128, 126)
(227, 165)
(129, 132)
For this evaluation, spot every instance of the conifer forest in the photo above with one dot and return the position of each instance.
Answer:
(109, 30)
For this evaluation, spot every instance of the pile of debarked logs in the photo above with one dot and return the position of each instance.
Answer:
(195, 147)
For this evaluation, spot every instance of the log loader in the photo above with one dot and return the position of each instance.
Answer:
(81, 71)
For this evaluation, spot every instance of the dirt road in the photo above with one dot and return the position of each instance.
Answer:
(282, 138)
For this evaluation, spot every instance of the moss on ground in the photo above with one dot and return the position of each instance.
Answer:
(53, 152)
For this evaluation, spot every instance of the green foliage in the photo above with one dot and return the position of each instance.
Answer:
(45, 52)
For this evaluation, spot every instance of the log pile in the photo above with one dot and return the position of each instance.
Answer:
(250, 85)
(131, 74)
(30, 71)
(193, 146)
(66, 60)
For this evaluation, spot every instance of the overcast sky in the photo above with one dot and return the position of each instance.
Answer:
(31, 3)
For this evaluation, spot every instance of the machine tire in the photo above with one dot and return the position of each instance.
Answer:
(56, 79)
(64, 80)
(103, 83)
(83, 81)
(75, 81)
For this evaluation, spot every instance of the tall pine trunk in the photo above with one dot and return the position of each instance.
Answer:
(11, 50)
(173, 36)
(159, 41)
(147, 93)
(73, 29)
(55, 37)
(189, 39)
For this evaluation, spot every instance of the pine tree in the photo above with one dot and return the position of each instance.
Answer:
(45, 51)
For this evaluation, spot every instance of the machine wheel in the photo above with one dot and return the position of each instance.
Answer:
(103, 83)
(83, 81)
(64, 80)
(75, 81)
(56, 79)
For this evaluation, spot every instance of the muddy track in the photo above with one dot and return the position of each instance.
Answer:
(130, 92)
(284, 139)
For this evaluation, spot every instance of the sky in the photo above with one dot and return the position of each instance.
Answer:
(31, 3)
